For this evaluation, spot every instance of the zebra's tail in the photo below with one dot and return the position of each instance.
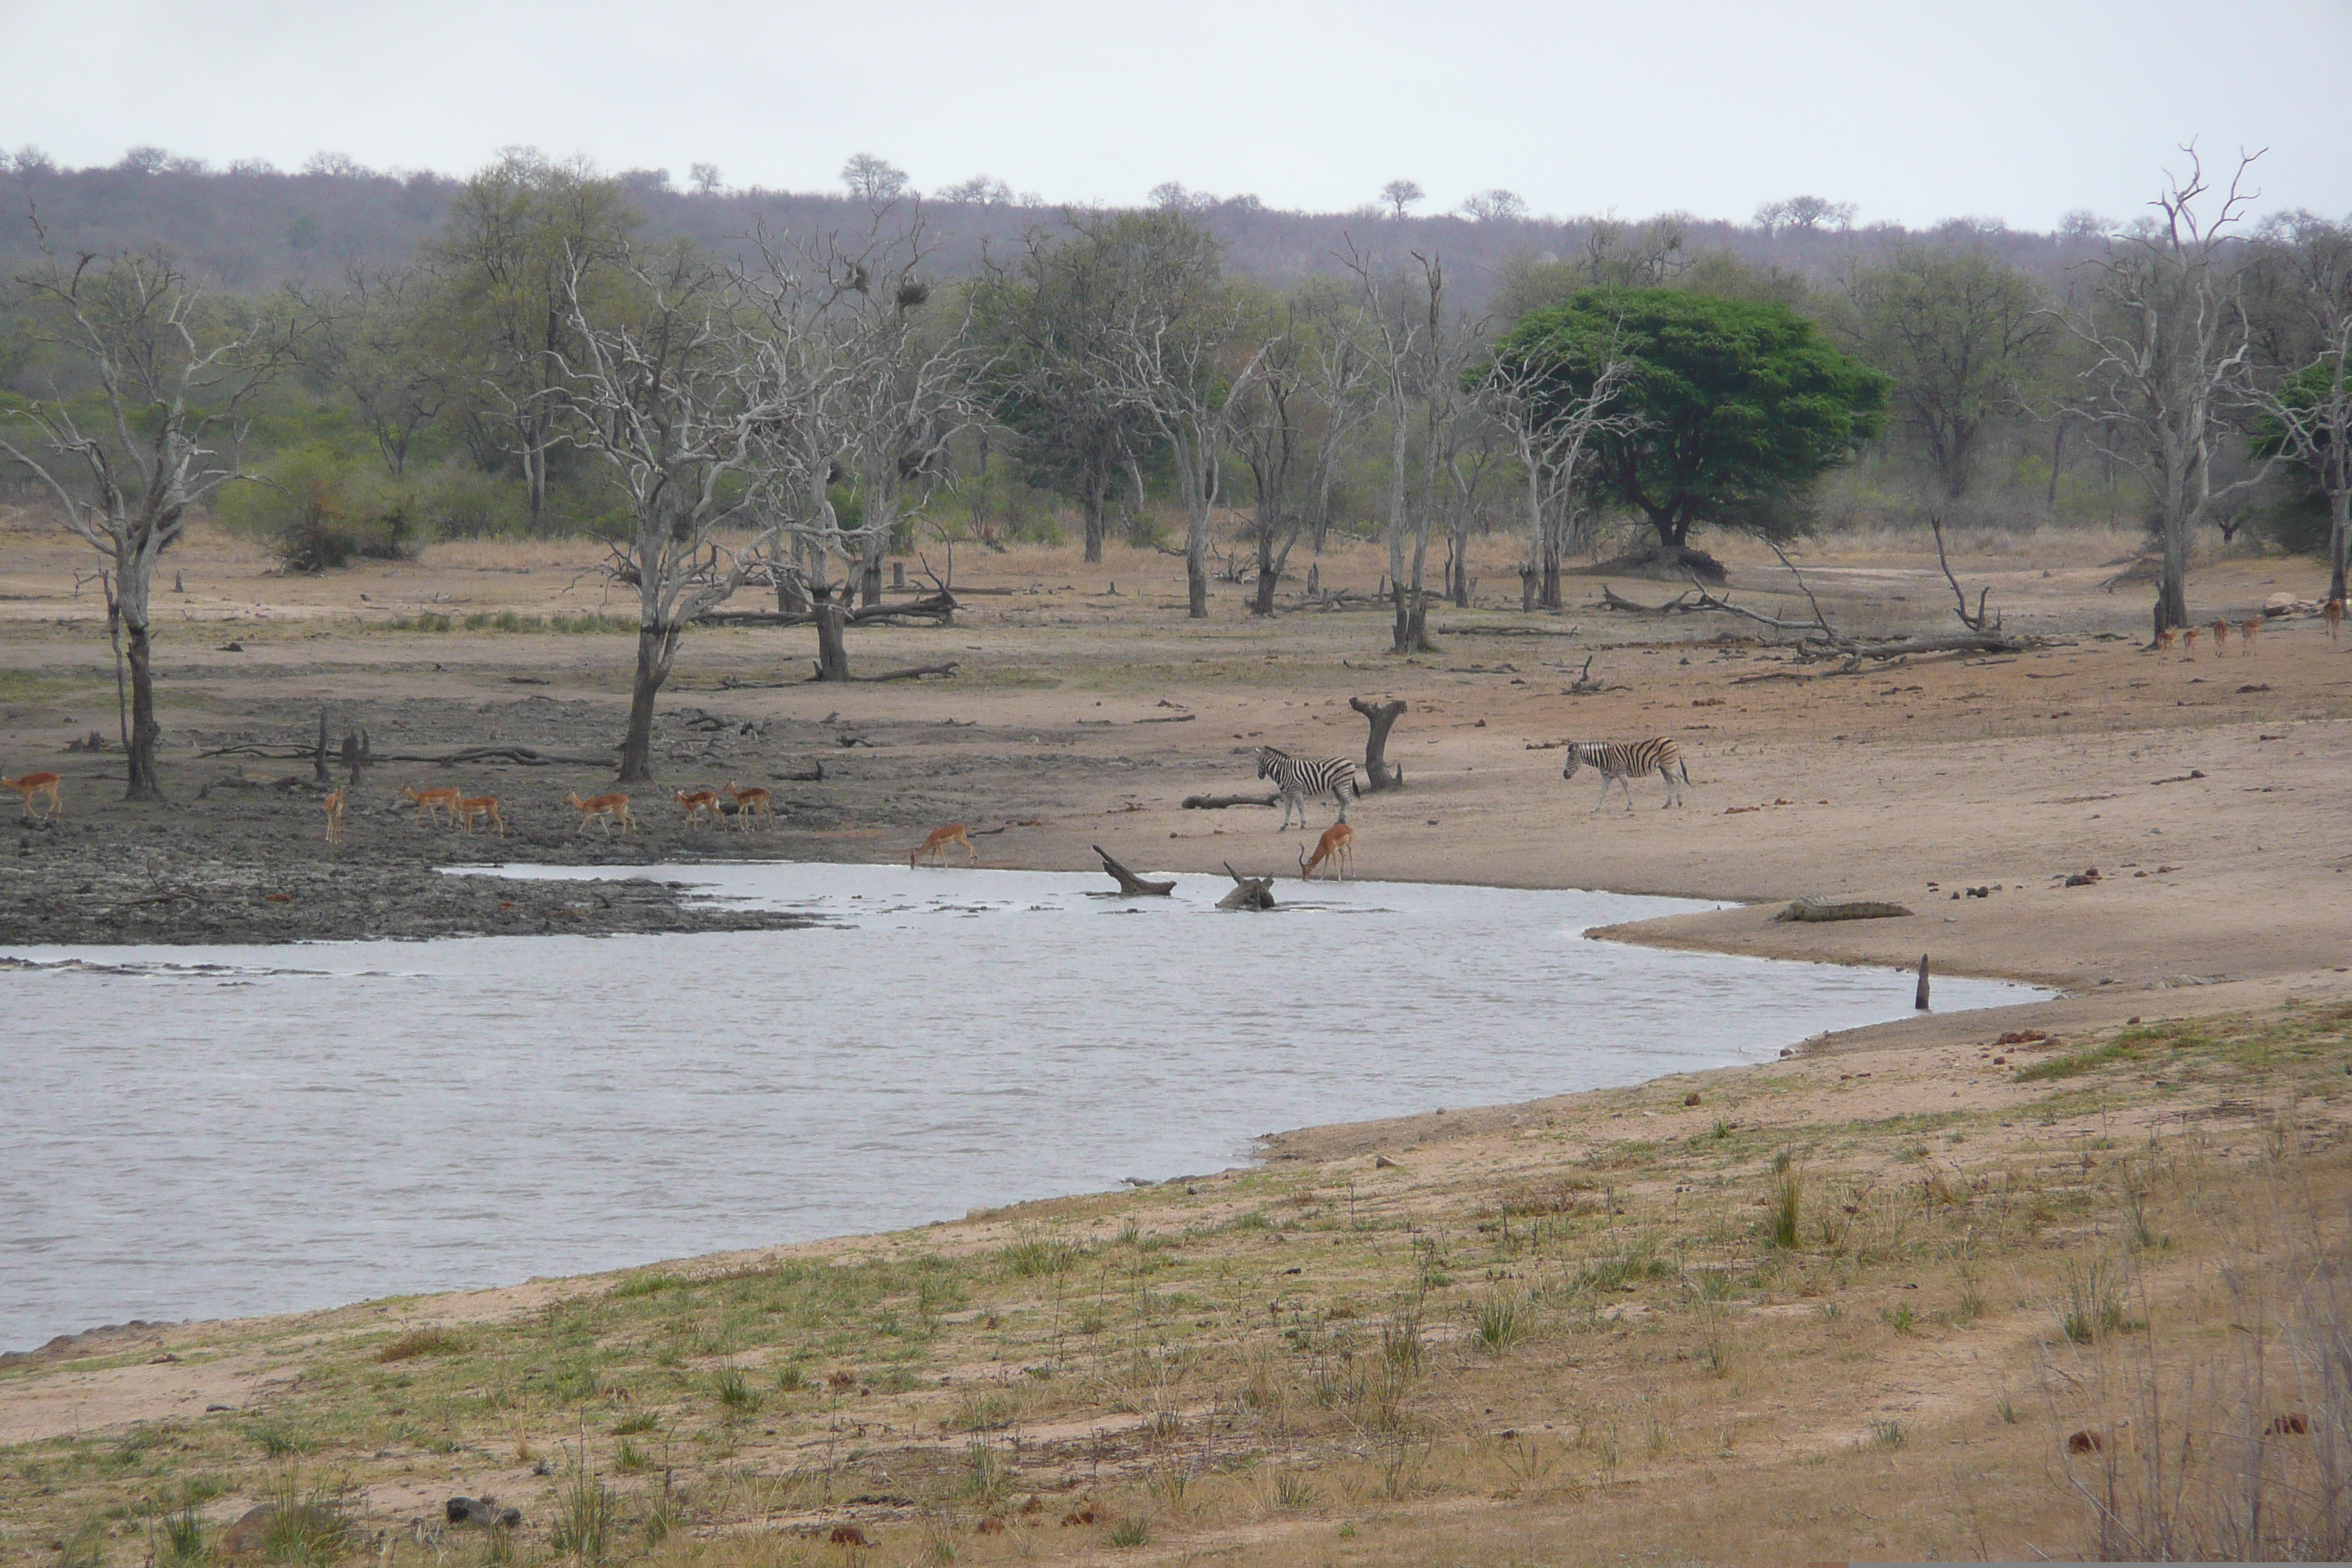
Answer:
(1682, 763)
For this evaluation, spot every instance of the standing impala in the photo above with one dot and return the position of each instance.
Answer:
(605, 808)
(32, 786)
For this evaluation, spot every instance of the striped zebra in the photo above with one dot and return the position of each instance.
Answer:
(1300, 780)
(1618, 763)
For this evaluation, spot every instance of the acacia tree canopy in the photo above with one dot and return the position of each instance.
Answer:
(1739, 404)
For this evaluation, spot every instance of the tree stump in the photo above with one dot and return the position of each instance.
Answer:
(1130, 885)
(1382, 717)
(1254, 893)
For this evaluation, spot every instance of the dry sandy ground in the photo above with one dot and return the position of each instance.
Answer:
(2210, 790)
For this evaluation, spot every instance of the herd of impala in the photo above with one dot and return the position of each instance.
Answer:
(1334, 853)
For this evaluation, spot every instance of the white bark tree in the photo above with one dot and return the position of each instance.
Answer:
(1550, 437)
(2169, 363)
(1180, 361)
(175, 373)
(672, 404)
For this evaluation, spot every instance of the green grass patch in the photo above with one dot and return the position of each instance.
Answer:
(421, 1341)
(2089, 1059)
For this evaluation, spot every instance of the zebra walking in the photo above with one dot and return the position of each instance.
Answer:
(1300, 780)
(1618, 763)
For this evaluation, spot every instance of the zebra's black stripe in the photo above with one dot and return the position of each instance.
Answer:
(1619, 763)
(1301, 779)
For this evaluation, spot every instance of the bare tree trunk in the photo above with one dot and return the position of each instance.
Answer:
(1382, 717)
(831, 648)
(656, 645)
(1269, 570)
(2339, 541)
(2057, 460)
(1096, 503)
(1551, 590)
(1201, 499)
(144, 732)
(2172, 585)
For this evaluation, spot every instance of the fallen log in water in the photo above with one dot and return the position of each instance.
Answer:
(1254, 893)
(1129, 884)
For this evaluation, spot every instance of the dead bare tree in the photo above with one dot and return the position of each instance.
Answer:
(174, 375)
(1186, 368)
(2169, 361)
(1977, 622)
(672, 404)
(1551, 433)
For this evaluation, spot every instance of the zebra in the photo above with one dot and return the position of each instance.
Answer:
(1618, 761)
(1300, 780)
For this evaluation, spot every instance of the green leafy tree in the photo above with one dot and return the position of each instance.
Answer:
(1736, 405)
(527, 240)
(1960, 334)
(1053, 325)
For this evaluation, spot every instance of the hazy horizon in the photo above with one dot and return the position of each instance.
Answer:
(2015, 114)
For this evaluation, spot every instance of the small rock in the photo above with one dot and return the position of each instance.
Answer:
(484, 1512)
(1691, 1099)
(848, 1535)
(2085, 1442)
(1382, 1163)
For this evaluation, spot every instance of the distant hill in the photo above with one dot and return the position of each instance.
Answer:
(251, 231)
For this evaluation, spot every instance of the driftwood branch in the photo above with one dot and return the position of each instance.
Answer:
(1130, 885)
(1219, 802)
(1254, 893)
(1975, 623)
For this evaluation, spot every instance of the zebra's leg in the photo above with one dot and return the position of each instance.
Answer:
(1626, 783)
(1674, 791)
(1604, 795)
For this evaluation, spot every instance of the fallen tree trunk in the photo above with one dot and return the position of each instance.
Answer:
(914, 672)
(518, 757)
(1680, 604)
(1219, 802)
(1957, 642)
(1130, 885)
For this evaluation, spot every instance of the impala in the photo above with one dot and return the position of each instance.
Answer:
(1338, 846)
(605, 808)
(32, 786)
(696, 802)
(476, 806)
(936, 846)
(751, 803)
(428, 800)
(335, 804)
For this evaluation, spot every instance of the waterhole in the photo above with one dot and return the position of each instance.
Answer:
(227, 1130)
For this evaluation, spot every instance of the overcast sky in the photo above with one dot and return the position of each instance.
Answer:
(2000, 108)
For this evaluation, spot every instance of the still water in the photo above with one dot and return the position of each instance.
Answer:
(208, 1132)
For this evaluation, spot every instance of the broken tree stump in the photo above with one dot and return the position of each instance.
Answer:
(1249, 892)
(1382, 717)
(1130, 885)
(1920, 1001)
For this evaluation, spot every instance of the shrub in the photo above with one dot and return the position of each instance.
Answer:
(420, 1342)
(317, 508)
